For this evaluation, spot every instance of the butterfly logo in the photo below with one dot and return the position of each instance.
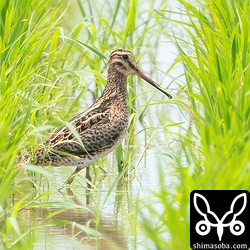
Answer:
(203, 227)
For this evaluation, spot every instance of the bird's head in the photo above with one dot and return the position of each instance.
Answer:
(123, 61)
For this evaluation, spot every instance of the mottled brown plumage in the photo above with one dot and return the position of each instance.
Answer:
(100, 128)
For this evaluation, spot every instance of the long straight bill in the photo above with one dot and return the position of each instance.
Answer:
(154, 84)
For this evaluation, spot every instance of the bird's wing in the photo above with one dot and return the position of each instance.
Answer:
(76, 138)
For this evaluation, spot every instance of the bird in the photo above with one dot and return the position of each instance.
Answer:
(99, 129)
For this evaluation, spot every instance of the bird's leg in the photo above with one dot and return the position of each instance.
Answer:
(72, 176)
(87, 176)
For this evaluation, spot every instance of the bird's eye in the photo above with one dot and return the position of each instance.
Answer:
(124, 56)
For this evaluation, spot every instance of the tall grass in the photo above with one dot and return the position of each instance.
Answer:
(48, 64)
(213, 46)
(28, 51)
(36, 77)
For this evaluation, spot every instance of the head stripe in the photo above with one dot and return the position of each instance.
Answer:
(119, 52)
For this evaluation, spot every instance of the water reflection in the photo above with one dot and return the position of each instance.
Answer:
(77, 226)
(79, 222)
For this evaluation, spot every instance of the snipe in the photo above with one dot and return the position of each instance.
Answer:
(101, 128)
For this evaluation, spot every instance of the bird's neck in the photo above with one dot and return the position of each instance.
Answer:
(116, 85)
